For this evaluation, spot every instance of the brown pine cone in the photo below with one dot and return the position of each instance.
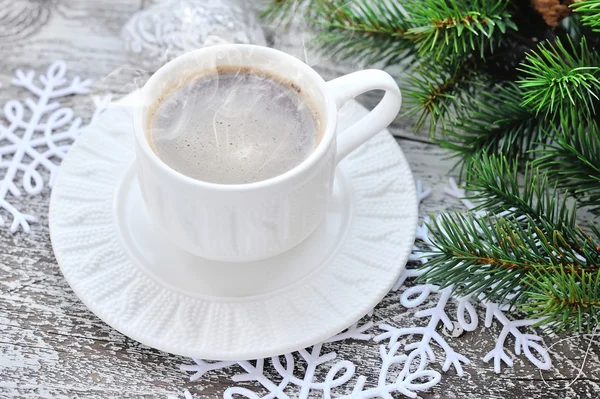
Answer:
(552, 10)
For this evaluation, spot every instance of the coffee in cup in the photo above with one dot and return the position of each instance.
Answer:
(238, 125)
(190, 193)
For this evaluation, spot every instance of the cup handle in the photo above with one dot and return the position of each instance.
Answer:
(347, 87)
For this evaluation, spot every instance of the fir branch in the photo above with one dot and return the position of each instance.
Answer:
(596, 231)
(530, 197)
(492, 256)
(564, 300)
(559, 77)
(369, 30)
(590, 13)
(497, 185)
(453, 27)
(464, 57)
(281, 12)
(573, 162)
(478, 256)
(494, 123)
(529, 231)
(436, 91)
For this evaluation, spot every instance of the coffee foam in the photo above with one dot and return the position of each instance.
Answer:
(234, 125)
(186, 78)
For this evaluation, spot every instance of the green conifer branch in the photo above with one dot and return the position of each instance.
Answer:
(497, 80)
(529, 230)
(490, 256)
(453, 27)
(392, 32)
(561, 76)
(370, 30)
(280, 13)
(564, 300)
(475, 254)
(436, 91)
(497, 185)
(590, 13)
(494, 122)
(573, 161)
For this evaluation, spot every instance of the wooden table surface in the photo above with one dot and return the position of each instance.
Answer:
(51, 346)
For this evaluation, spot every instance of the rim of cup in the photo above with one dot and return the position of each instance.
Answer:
(328, 115)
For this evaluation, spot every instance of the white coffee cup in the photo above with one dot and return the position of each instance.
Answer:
(247, 222)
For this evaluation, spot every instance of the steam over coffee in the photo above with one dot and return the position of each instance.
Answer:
(234, 126)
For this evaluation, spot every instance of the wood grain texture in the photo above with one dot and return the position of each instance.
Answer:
(51, 346)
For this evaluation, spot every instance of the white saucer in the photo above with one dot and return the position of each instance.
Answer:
(142, 285)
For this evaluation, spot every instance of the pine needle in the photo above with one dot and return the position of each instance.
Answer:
(559, 76)
(494, 122)
(527, 239)
(516, 102)
(590, 13)
(369, 30)
(573, 161)
(453, 27)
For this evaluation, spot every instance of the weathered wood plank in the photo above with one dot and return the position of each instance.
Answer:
(48, 336)
(52, 346)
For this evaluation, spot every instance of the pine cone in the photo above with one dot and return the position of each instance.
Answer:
(553, 11)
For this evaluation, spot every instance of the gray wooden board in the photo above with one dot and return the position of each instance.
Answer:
(51, 346)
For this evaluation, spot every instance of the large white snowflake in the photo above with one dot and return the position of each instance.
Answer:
(407, 356)
(37, 136)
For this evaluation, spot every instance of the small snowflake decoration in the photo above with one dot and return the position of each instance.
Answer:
(391, 379)
(37, 136)
(407, 353)
(464, 319)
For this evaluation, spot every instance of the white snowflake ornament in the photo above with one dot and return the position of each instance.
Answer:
(407, 354)
(524, 343)
(37, 136)
(396, 375)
